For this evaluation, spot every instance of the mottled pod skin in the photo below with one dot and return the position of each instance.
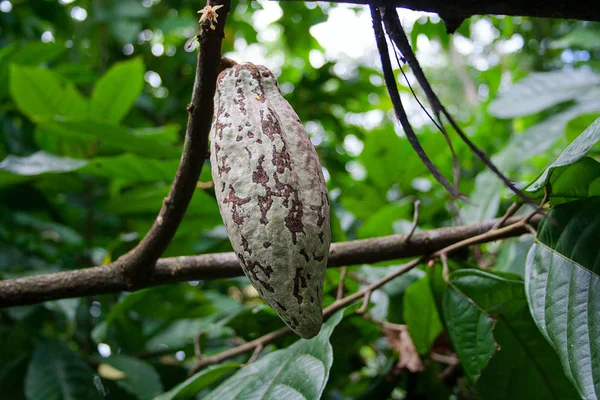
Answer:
(271, 194)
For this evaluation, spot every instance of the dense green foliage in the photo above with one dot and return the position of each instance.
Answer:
(92, 120)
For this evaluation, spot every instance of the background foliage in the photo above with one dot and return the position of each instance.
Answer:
(92, 109)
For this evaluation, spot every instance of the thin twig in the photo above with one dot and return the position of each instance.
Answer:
(547, 192)
(441, 358)
(255, 354)
(358, 279)
(514, 207)
(415, 221)
(365, 305)
(340, 288)
(531, 229)
(244, 348)
(445, 268)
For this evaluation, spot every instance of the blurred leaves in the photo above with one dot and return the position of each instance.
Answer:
(91, 133)
(114, 94)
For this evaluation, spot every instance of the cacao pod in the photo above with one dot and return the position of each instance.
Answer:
(271, 194)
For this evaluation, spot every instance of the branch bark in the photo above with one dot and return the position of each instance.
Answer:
(138, 264)
(492, 234)
(466, 8)
(109, 278)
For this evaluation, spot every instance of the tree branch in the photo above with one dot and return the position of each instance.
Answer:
(465, 8)
(109, 278)
(137, 264)
(517, 225)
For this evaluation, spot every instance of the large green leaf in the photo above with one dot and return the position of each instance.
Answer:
(15, 169)
(563, 289)
(470, 330)
(114, 94)
(574, 181)
(421, 316)
(58, 373)
(497, 341)
(131, 168)
(140, 378)
(125, 167)
(110, 136)
(42, 94)
(201, 380)
(36, 53)
(574, 152)
(299, 371)
(33, 53)
(541, 90)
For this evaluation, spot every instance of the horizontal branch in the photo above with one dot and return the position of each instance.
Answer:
(497, 231)
(465, 8)
(109, 278)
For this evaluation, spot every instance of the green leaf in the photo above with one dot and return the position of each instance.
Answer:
(299, 371)
(574, 152)
(15, 169)
(114, 94)
(575, 181)
(580, 37)
(141, 379)
(383, 148)
(563, 289)
(125, 167)
(12, 376)
(580, 124)
(42, 94)
(39, 163)
(421, 316)
(110, 136)
(201, 380)
(381, 222)
(56, 372)
(512, 255)
(149, 199)
(497, 341)
(36, 53)
(131, 168)
(541, 90)
(470, 330)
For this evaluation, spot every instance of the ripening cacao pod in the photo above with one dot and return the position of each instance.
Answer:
(272, 195)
